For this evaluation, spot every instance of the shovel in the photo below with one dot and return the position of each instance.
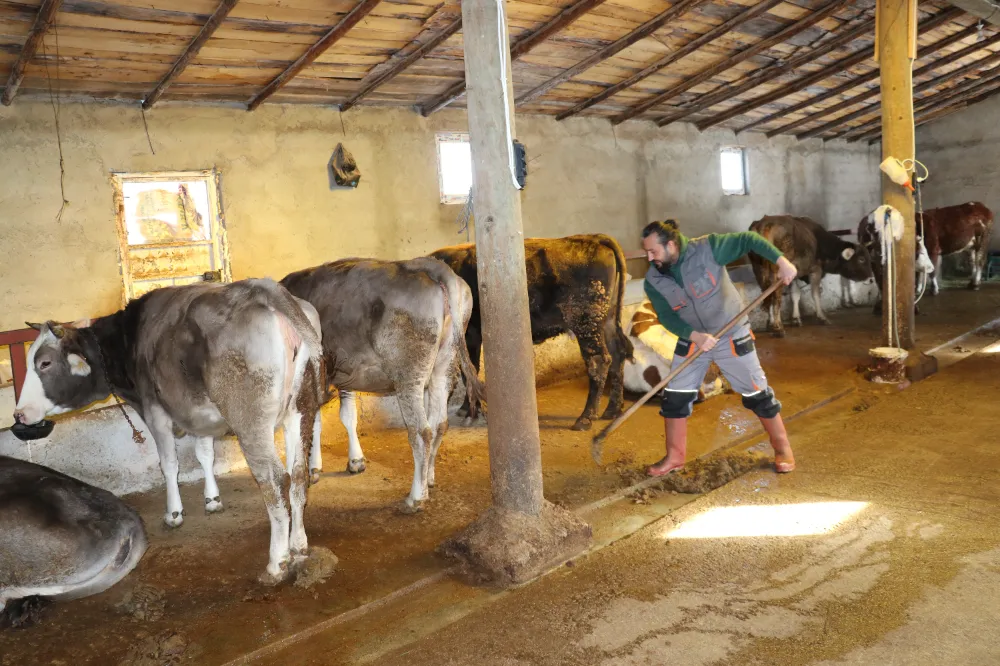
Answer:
(596, 446)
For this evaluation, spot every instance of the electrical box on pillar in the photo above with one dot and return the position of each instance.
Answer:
(520, 164)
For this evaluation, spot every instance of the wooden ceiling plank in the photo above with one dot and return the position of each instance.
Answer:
(403, 63)
(43, 21)
(352, 18)
(689, 48)
(519, 48)
(643, 31)
(802, 24)
(206, 32)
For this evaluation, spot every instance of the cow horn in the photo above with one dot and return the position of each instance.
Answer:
(37, 327)
(57, 329)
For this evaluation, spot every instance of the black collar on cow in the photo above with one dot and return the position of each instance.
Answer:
(137, 435)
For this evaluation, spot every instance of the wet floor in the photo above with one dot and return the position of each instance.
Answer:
(194, 598)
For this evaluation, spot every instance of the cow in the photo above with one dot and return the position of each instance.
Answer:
(393, 327)
(652, 351)
(923, 267)
(206, 359)
(60, 538)
(815, 251)
(576, 285)
(967, 227)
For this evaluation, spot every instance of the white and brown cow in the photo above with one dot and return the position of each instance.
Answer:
(967, 227)
(815, 251)
(208, 359)
(393, 327)
(652, 353)
(60, 539)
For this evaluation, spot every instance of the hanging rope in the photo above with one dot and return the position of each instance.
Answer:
(465, 216)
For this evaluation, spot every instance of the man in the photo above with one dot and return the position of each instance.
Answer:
(690, 290)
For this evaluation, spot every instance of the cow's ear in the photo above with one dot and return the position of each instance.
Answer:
(78, 365)
(847, 253)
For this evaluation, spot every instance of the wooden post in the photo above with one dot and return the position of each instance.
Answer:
(895, 49)
(515, 448)
(521, 535)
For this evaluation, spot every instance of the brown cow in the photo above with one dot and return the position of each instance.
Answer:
(949, 230)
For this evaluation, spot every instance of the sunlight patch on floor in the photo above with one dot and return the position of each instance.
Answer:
(778, 520)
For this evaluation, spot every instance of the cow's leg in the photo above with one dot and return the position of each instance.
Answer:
(796, 298)
(161, 426)
(257, 443)
(614, 338)
(815, 280)
(935, 287)
(349, 417)
(437, 415)
(411, 406)
(204, 449)
(316, 451)
(598, 361)
(976, 256)
(474, 343)
(775, 324)
(299, 429)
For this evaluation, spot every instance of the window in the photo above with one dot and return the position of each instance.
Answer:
(734, 170)
(454, 167)
(170, 230)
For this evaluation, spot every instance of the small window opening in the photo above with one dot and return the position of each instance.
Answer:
(454, 167)
(734, 170)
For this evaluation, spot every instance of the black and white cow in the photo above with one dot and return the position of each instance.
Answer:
(208, 359)
(815, 251)
(393, 327)
(60, 538)
(576, 285)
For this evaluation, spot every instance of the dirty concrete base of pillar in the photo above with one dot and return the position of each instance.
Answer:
(887, 365)
(505, 548)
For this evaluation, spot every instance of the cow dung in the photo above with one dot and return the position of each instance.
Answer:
(143, 602)
(709, 473)
(319, 565)
(164, 649)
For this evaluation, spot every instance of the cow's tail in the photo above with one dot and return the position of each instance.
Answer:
(620, 271)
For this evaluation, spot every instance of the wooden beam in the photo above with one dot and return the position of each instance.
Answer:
(789, 31)
(725, 92)
(403, 63)
(643, 31)
(931, 104)
(689, 48)
(926, 85)
(945, 109)
(43, 20)
(519, 48)
(206, 32)
(352, 18)
(836, 69)
(896, 48)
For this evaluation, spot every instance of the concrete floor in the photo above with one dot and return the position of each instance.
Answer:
(641, 599)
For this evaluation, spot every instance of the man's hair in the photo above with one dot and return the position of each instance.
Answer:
(665, 231)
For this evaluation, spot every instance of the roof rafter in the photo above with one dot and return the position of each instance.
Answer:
(622, 43)
(352, 18)
(206, 32)
(43, 21)
(519, 48)
(689, 48)
(404, 62)
(994, 56)
(802, 24)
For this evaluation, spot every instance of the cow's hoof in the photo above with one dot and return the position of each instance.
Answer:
(271, 579)
(213, 505)
(314, 476)
(582, 424)
(611, 414)
(796, 322)
(973, 287)
(357, 466)
(409, 507)
(824, 322)
(431, 481)
(467, 422)
(780, 333)
(175, 519)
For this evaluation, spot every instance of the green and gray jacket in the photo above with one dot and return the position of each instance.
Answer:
(698, 295)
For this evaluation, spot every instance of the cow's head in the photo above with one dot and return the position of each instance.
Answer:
(61, 377)
(855, 263)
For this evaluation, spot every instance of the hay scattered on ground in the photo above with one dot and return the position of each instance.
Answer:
(706, 474)
(319, 565)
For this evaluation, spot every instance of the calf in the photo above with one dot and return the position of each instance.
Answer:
(393, 327)
(208, 359)
(949, 230)
(815, 252)
(575, 285)
(60, 538)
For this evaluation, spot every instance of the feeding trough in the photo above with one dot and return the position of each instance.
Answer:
(25, 432)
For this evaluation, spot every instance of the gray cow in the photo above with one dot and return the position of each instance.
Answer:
(208, 359)
(393, 327)
(60, 538)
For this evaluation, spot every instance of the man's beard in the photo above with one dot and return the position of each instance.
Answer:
(665, 265)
